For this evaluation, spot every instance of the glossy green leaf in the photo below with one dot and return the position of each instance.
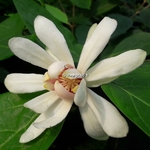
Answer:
(28, 11)
(82, 3)
(57, 13)
(140, 40)
(131, 93)
(9, 28)
(15, 119)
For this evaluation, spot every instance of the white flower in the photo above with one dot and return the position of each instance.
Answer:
(66, 84)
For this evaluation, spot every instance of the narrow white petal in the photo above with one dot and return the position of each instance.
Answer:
(52, 38)
(41, 103)
(96, 43)
(109, 69)
(108, 116)
(55, 114)
(32, 132)
(91, 124)
(24, 83)
(81, 94)
(30, 52)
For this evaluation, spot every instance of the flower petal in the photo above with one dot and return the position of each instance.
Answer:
(30, 52)
(41, 103)
(108, 116)
(81, 94)
(96, 43)
(55, 114)
(109, 69)
(91, 124)
(62, 92)
(24, 83)
(32, 132)
(52, 38)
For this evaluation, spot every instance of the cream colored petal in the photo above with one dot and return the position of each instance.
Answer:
(91, 124)
(81, 94)
(108, 116)
(96, 43)
(109, 69)
(41, 103)
(52, 38)
(62, 92)
(55, 114)
(24, 83)
(30, 52)
(32, 132)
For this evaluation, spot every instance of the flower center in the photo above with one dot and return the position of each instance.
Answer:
(65, 74)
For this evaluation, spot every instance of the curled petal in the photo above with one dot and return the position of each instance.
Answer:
(96, 43)
(24, 83)
(109, 69)
(41, 103)
(62, 92)
(81, 94)
(32, 132)
(30, 52)
(108, 116)
(55, 114)
(91, 124)
(52, 38)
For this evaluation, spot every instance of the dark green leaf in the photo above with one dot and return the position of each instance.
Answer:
(15, 119)
(82, 3)
(57, 13)
(9, 28)
(130, 93)
(29, 10)
(124, 23)
(3, 74)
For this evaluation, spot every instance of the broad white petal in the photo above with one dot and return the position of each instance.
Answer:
(52, 38)
(30, 52)
(24, 83)
(91, 124)
(109, 69)
(108, 116)
(55, 114)
(62, 92)
(32, 132)
(96, 43)
(81, 94)
(41, 103)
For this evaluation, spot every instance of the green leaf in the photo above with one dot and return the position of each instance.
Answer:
(15, 119)
(29, 10)
(57, 13)
(82, 3)
(103, 6)
(130, 93)
(140, 40)
(9, 28)
(144, 17)
(3, 74)
(124, 23)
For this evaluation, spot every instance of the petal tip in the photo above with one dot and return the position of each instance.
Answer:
(26, 137)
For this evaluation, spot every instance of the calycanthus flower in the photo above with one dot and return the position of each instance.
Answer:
(66, 84)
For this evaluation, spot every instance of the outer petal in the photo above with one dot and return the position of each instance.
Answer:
(52, 38)
(62, 92)
(24, 83)
(108, 116)
(30, 52)
(91, 124)
(109, 69)
(32, 132)
(55, 114)
(96, 43)
(81, 94)
(41, 103)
